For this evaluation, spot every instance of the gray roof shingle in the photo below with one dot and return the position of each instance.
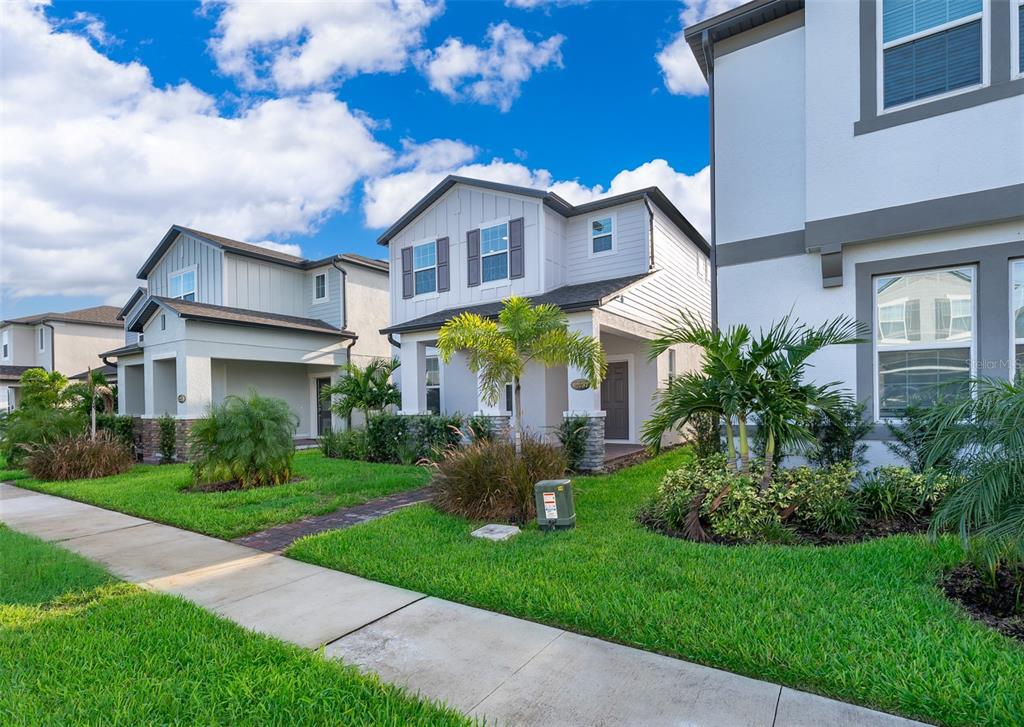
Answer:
(235, 316)
(97, 315)
(568, 298)
(9, 373)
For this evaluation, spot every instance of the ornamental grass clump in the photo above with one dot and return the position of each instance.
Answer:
(488, 480)
(244, 441)
(79, 457)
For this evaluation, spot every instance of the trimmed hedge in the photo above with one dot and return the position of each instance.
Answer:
(399, 439)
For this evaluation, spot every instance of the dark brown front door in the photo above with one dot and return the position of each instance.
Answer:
(323, 407)
(615, 401)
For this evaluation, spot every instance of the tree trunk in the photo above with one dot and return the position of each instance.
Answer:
(769, 460)
(92, 413)
(517, 396)
(744, 446)
(730, 445)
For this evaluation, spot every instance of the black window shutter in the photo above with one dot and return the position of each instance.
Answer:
(407, 280)
(443, 282)
(473, 258)
(516, 262)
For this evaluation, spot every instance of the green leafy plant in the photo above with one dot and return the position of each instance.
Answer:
(499, 351)
(245, 440)
(488, 480)
(167, 444)
(480, 428)
(744, 376)
(27, 427)
(94, 393)
(367, 388)
(79, 457)
(344, 444)
(398, 438)
(910, 438)
(572, 434)
(838, 437)
(983, 437)
(706, 434)
(121, 427)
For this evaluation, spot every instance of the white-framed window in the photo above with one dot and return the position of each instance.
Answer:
(1016, 35)
(602, 235)
(924, 337)
(42, 338)
(183, 284)
(494, 253)
(320, 287)
(1017, 315)
(424, 265)
(163, 321)
(930, 49)
(432, 382)
(5, 342)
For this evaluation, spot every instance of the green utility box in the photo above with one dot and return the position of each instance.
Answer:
(555, 509)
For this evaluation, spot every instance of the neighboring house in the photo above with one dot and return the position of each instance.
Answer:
(219, 317)
(616, 266)
(68, 342)
(868, 160)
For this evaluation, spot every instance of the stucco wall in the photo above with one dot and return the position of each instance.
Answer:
(78, 346)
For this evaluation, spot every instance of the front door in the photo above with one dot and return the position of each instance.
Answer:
(615, 400)
(323, 407)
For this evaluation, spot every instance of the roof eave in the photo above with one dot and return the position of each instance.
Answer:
(732, 22)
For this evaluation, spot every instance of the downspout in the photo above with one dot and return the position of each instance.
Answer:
(348, 359)
(709, 62)
(650, 229)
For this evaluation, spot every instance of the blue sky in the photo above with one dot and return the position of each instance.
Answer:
(580, 99)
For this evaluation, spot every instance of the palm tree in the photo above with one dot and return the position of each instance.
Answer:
(983, 436)
(93, 390)
(499, 351)
(744, 376)
(366, 388)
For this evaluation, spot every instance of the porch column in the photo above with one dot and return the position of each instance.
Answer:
(413, 373)
(585, 402)
(195, 381)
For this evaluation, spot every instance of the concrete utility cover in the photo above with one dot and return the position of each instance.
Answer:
(496, 532)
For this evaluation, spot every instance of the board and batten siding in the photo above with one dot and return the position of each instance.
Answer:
(554, 250)
(681, 280)
(185, 252)
(262, 286)
(460, 210)
(632, 253)
(329, 310)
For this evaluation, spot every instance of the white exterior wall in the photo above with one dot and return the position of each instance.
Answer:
(79, 345)
(263, 286)
(631, 240)
(367, 296)
(21, 346)
(185, 252)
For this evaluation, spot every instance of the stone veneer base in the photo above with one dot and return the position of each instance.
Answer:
(151, 440)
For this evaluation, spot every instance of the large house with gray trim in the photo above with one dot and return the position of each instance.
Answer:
(868, 160)
(616, 266)
(217, 316)
(68, 342)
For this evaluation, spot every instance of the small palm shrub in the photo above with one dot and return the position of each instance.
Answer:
(347, 444)
(168, 441)
(245, 440)
(572, 433)
(79, 457)
(486, 480)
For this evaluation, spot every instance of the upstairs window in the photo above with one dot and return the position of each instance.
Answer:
(924, 337)
(602, 235)
(6, 345)
(320, 287)
(494, 252)
(183, 284)
(930, 47)
(424, 265)
(42, 339)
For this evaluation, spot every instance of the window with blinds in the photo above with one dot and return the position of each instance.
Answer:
(930, 47)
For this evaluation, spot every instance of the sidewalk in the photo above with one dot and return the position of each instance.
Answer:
(486, 664)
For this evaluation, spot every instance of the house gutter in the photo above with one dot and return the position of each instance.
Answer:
(650, 229)
(709, 60)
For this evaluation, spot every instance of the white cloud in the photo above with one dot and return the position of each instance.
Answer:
(678, 66)
(533, 4)
(491, 74)
(98, 162)
(388, 197)
(303, 44)
(92, 26)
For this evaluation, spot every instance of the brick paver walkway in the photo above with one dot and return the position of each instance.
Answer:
(276, 539)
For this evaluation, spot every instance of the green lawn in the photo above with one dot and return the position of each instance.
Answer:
(863, 623)
(158, 492)
(78, 647)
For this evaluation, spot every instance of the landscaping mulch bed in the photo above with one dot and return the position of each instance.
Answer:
(232, 485)
(869, 530)
(999, 606)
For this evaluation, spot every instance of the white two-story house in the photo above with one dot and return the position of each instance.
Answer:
(68, 342)
(868, 160)
(217, 316)
(616, 266)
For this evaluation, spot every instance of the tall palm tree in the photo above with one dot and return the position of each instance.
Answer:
(94, 390)
(499, 351)
(367, 388)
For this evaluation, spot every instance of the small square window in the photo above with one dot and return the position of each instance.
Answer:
(602, 235)
(183, 285)
(320, 286)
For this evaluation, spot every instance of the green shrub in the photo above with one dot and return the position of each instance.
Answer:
(911, 439)
(898, 493)
(480, 428)
(572, 433)
(486, 480)
(395, 438)
(817, 494)
(707, 435)
(345, 444)
(79, 457)
(245, 440)
(121, 427)
(840, 516)
(840, 439)
(28, 427)
(168, 442)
